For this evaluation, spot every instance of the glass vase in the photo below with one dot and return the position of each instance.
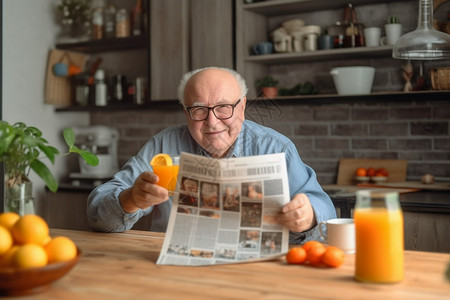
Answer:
(19, 199)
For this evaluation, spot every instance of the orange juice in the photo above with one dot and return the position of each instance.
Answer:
(379, 244)
(167, 176)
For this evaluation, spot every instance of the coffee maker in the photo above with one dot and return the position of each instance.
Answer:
(102, 141)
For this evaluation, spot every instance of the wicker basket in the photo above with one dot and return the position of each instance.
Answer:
(440, 78)
(58, 89)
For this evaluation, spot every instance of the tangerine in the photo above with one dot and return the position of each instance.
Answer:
(361, 172)
(6, 240)
(333, 257)
(311, 244)
(371, 172)
(29, 256)
(60, 249)
(315, 254)
(296, 255)
(8, 219)
(30, 229)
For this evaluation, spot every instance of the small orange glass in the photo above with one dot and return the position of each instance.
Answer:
(379, 237)
(168, 175)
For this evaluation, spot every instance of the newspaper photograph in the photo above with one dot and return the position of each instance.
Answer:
(225, 211)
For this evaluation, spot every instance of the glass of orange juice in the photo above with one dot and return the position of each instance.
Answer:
(168, 174)
(379, 237)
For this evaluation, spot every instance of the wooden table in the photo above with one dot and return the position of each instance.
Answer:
(123, 266)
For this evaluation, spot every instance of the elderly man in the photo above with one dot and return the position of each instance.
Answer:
(214, 101)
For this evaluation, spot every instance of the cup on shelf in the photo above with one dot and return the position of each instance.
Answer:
(372, 35)
(263, 48)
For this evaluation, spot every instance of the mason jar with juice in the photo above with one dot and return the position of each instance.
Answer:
(379, 237)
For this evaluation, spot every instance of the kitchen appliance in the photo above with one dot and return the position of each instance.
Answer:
(353, 80)
(102, 141)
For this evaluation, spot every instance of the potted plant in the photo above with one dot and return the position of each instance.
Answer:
(21, 150)
(393, 29)
(267, 86)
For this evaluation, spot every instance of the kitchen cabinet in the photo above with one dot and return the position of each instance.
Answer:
(182, 35)
(253, 26)
(66, 209)
(187, 35)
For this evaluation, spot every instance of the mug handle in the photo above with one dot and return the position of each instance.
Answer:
(256, 50)
(383, 41)
(321, 230)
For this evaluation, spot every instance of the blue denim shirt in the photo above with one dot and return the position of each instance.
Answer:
(104, 210)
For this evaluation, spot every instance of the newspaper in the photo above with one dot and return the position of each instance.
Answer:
(225, 211)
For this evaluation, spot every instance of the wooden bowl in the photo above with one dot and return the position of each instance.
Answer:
(15, 282)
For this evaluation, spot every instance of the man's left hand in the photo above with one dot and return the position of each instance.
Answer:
(298, 214)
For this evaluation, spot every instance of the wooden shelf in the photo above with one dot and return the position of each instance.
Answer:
(321, 55)
(286, 7)
(107, 45)
(393, 96)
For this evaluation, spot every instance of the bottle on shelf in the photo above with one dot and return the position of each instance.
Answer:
(354, 36)
(101, 89)
(122, 23)
(110, 20)
(137, 18)
(98, 23)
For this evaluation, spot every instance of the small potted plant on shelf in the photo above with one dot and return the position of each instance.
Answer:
(393, 29)
(21, 150)
(267, 86)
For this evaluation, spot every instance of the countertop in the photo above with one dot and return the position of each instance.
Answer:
(123, 266)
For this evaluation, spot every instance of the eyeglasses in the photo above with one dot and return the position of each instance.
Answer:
(221, 111)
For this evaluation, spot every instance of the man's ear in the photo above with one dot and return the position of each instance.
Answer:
(244, 102)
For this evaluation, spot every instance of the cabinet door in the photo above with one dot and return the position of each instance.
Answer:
(211, 33)
(169, 50)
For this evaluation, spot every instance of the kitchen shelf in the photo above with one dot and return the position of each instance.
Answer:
(321, 55)
(107, 45)
(393, 96)
(286, 7)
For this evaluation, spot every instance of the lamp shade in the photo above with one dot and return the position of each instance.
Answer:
(424, 43)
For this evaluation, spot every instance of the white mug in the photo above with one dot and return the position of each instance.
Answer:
(339, 233)
(372, 36)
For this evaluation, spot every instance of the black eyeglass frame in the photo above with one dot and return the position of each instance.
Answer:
(189, 108)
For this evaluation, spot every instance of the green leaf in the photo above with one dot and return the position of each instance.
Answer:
(49, 151)
(90, 158)
(69, 137)
(43, 172)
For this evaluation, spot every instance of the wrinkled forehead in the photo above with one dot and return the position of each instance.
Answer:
(211, 87)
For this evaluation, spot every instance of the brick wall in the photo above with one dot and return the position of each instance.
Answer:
(416, 131)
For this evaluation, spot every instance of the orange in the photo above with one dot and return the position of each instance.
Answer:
(361, 172)
(29, 256)
(30, 229)
(296, 255)
(312, 244)
(8, 219)
(382, 172)
(371, 172)
(333, 257)
(60, 248)
(314, 255)
(161, 159)
(6, 240)
(6, 260)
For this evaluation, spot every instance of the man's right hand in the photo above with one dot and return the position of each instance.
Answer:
(144, 193)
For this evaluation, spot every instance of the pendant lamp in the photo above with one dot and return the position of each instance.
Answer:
(424, 43)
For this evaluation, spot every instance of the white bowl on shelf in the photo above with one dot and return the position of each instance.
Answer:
(354, 80)
(378, 179)
(362, 179)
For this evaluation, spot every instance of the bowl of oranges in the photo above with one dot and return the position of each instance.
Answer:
(30, 259)
(375, 175)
